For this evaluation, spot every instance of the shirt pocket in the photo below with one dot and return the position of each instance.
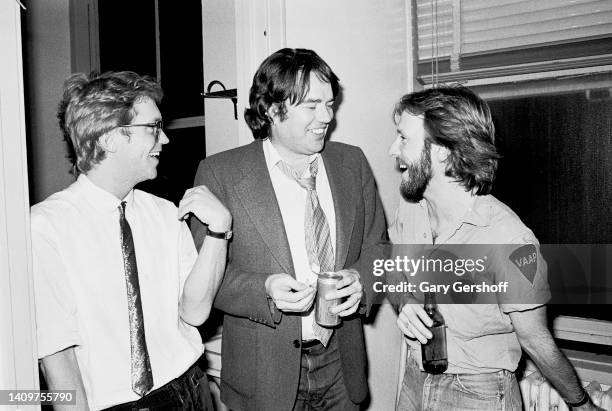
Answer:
(469, 321)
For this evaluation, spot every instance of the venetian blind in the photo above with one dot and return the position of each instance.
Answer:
(470, 38)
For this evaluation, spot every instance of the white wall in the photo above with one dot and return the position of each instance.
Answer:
(46, 45)
(218, 21)
(364, 42)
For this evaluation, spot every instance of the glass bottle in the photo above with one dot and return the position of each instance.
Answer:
(433, 353)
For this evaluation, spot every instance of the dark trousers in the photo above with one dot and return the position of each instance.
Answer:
(321, 382)
(189, 392)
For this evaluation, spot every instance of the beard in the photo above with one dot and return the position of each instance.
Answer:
(419, 175)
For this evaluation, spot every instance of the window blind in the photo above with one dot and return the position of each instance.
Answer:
(474, 38)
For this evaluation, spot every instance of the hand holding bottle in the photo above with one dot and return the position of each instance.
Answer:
(413, 321)
(433, 352)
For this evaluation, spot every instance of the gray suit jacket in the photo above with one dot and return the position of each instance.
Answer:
(261, 346)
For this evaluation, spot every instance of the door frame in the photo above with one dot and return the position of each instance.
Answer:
(18, 351)
(260, 31)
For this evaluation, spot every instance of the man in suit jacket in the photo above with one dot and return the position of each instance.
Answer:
(273, 356)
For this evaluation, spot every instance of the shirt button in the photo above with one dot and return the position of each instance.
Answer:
(296, 343)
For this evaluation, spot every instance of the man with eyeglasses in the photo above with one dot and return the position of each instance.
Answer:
(119, 284)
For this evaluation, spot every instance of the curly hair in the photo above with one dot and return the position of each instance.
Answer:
(284, 76)
(456, 118)
(93, 105)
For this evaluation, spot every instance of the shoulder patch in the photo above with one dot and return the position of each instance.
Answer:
(525, 259)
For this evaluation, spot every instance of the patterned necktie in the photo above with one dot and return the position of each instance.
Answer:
(316, 232)
(142, 377)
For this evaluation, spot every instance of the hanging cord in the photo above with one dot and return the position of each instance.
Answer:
(435, 44)
(21, 4)
(433, 34)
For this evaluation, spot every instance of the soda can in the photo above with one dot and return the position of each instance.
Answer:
(326, 283)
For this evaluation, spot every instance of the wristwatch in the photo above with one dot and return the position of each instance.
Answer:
(226, 235)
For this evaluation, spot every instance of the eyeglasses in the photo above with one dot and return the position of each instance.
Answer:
(157, 127)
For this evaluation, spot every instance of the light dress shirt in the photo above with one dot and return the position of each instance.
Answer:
(480, 337)
(80, 286)
(291, 199)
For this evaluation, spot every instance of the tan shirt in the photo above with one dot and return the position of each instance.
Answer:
(480, 337)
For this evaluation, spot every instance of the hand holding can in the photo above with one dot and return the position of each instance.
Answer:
(326, 283)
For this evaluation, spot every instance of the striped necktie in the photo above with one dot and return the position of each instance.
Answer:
(316, 232)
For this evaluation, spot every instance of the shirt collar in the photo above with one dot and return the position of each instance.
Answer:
(479, 214)
(272, 156)
(99, 198)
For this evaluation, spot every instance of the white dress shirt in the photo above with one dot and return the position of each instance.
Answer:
(291, 199)
(80, 286)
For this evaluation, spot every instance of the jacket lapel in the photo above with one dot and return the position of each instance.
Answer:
(259, 200)
(340, 178)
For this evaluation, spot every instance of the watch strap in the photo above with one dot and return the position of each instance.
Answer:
(585, 398)
(225, 235)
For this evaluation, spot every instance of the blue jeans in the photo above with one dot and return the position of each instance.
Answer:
(321, 383)
(487, 392)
